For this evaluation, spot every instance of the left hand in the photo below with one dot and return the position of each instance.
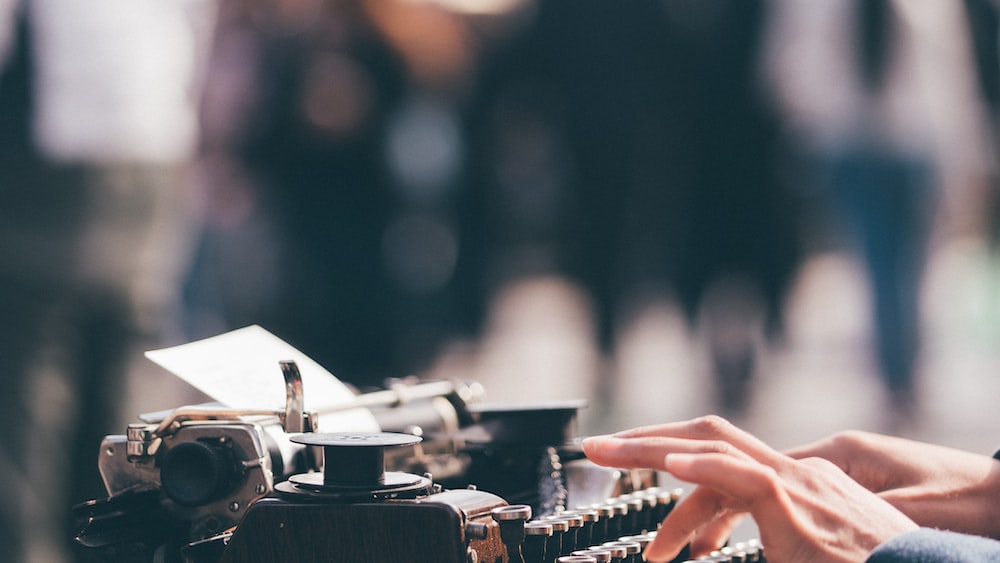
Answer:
(936, 486)
(805, 509)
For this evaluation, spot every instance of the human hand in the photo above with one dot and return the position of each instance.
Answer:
(805, 509)
(936, 486)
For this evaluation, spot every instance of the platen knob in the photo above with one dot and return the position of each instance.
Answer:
(195, 473)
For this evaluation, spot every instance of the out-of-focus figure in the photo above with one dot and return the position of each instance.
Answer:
(631, 151)
(295, 106)
(880, 96)
(97, 126)
(336, 149)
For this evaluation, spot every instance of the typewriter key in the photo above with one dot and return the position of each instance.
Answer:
(599, 555)
(571, 539)
(642, 539)
(536, 538)
(607, 516)
(633, 524)
(554, 545)
(618, 552)
(633, 551)
(585, 535)
(511, 520)
(617, 522)
(732, 554)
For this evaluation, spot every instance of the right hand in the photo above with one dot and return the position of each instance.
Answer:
(805, 509)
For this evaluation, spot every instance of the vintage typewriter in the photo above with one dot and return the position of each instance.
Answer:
(450, 478)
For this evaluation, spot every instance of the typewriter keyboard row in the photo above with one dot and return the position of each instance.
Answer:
(616, 531)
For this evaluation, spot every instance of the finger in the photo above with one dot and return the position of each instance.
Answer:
(648, 452)
(716, 533)
(711, 427)
(699, 507)
(726, 484)
(745, 482)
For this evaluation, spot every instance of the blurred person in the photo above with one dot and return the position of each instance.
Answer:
(725, 214)
(984, 28)
(878, 96)
(632, 152)
(295, 107)
(852, 497)
(335, 133)
(97, 126)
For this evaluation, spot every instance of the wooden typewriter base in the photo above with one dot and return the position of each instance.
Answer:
(434, 528)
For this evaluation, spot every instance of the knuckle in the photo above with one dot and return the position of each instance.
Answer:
(820, 464)
(850, 439)
(719, 447)
(712, 425)
(769, 482)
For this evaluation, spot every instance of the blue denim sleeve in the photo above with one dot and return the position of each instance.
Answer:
(936, 546)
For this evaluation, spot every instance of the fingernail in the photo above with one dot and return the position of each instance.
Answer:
(595, 439)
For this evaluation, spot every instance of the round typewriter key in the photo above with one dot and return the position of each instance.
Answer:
(618, 552)
(606, 515)
(536, 535)
(599, 555)
(585, 536)
(754, 550)
(536, 528)
(647, 521)
(576, 559)
(616, 524)
(554, 546)
(633, 552)
(642, 539)
(733, 554)
(571, 539)
(512, 512)
(511, 520)
(664, 504)
(558, 525)
(633, 523)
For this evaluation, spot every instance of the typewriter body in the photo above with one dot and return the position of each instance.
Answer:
(449, 478)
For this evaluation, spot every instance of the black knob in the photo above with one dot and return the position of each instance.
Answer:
(195, 473)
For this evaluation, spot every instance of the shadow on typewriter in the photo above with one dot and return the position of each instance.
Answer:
(449, 479)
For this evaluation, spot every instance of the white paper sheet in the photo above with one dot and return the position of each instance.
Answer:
(240, 369)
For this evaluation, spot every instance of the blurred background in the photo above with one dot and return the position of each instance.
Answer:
(779, 211)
